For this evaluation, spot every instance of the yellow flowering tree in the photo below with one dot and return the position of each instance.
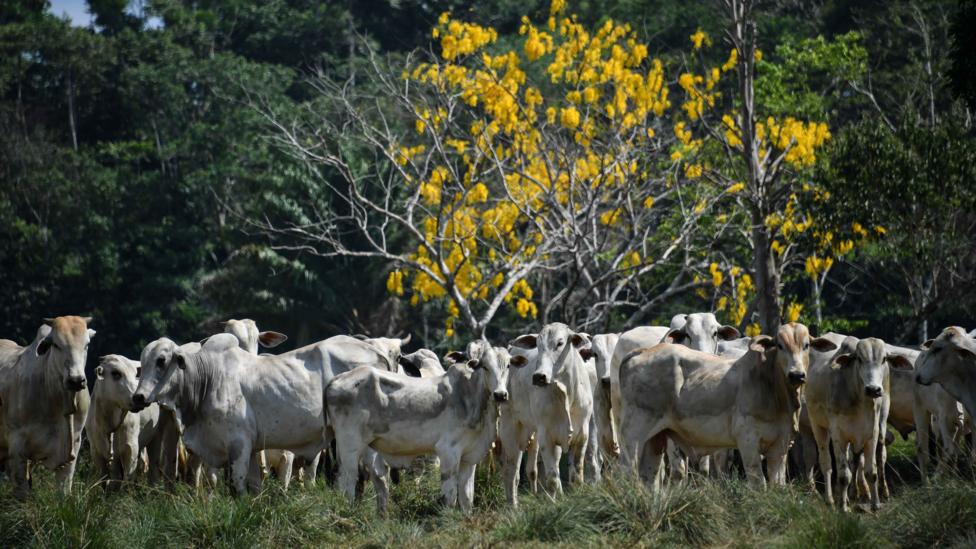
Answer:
(760, 159)
(486, 173)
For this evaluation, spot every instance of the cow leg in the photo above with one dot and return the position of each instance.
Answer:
(466, 486)
(310, 470)
(349, 453)
(532, 463)
(678, 462)
(869, 456)
(752, 459)
(378, 472)
(949, 429)
(809, 450)
(922, 433)
(593, 467)
(863, 488)
(776, 462)
(510, 435)
(881, 461)
(17, 468)
(551, 453)
(240, 467)
(826, 470)
(577, 448)
(450, 469)
(720, 467)
(256, 472)
(128, 458)
(101, 454)
(154, 459)
(843, 470)
(283, 470)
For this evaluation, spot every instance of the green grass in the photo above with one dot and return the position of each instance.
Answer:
(618, 512)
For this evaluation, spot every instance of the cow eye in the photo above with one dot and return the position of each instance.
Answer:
(806, 345)
(560, 343)
(779, 345)
(116, 376)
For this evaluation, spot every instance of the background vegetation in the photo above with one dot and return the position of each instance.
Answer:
(133, 162)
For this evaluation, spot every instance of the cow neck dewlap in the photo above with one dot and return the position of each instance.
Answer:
(196, 384)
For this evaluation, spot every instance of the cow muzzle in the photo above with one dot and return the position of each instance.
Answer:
(873, 391)
(138, 402)
(75, 383)
(797, 378)
(540, 380)
(501, 396)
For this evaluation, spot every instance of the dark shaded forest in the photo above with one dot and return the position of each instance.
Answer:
(134, 162)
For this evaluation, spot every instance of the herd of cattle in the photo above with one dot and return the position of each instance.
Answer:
(693, 392)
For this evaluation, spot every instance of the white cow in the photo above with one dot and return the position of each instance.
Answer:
(848, 402)
(558, 368)
(452, 416)
(701, 400)
(44, 401)
(232, 403)
(950, 360)
(118, 437)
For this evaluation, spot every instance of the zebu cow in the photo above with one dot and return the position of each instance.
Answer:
(453, 416)
(232, 403)
(705, 401)
(118, 437)
(391, 347)
(556, 367)
(601, 350)
(848, 401)
(950, 360)
(249, 337)
(44, 401)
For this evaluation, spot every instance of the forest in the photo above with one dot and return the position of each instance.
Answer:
(300, 163)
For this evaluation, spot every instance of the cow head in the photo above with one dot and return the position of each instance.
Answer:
(602, 350)
(421, 363)
(65, 346)
(792, 350)
(246, 332)
(118, 378)
(158, 372)
(870, 361)
(480, 355)
(948, 357)
(699, 331)
(556, 347)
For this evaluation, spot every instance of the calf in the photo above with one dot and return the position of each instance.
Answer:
(701, 400)
(116, 436)
(453, 416)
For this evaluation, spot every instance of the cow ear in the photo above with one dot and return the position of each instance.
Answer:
(518, 361)
(455, 357)
(899, 362)
(409, 367)
(139, 371)
(762, 343)
(927, 344)
(100, 372)
(44, 346)
(579, 340)
(728, 333)
(180, 361)
(844, 359)
(474, 364)
(586, 353)
(966, 354)
(823, 345)
(271, 339)
(527, 341)
(205, 340)
(676, 336)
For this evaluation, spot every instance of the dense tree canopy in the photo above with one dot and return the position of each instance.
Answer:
(142, 168)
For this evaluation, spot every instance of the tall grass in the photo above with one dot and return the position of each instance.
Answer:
(618, 512)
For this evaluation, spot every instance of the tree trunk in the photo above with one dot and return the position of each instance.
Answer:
(767, 278)
(71, 112)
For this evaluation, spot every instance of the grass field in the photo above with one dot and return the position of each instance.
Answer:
(616, 513)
